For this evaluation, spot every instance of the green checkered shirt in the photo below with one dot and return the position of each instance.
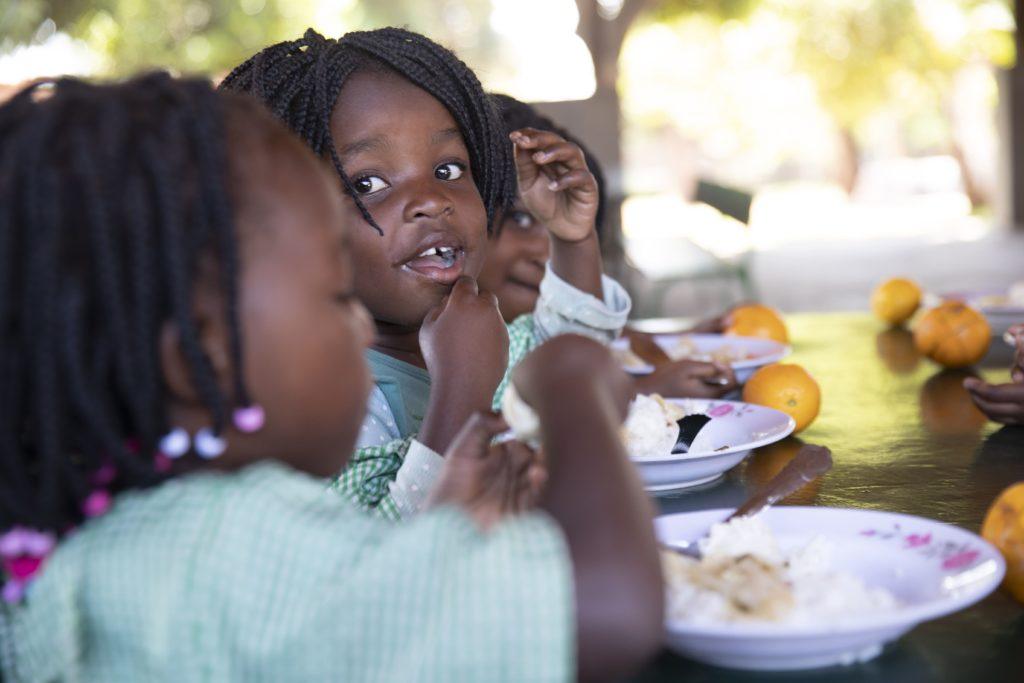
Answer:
(261, 576)
(367, 479)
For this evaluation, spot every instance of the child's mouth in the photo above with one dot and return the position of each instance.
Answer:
(442, 264)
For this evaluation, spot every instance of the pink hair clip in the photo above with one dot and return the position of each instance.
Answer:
(22, 553)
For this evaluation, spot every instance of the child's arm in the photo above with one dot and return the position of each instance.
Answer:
(465, 345)
(594, 495)
(559, 190)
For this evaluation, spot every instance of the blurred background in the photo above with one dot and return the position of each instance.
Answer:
(793, 151)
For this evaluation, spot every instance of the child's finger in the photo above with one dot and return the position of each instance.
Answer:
(996, 393)
(475, 436)
(534, 138)
(1000, 412)
(580, 180)
(465, 286)
(565, 153)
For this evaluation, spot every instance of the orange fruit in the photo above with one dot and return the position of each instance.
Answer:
(895, 300)
(953, 334)
(786, 387)
(768, 461)
(755, 320)
(947, 408)
(1004, 528)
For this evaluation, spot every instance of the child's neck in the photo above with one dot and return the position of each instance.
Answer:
(402, 343)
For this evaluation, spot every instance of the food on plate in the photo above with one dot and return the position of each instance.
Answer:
(756, 320)
(686, 349)
(651, 428)
(896, 300)
(745, 576)
(1014, 296)
(786, 387)
(953, 334)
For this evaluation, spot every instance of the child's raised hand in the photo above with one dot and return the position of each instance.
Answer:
(555, 184)
(689, 379)
(490, 482)
(464, 343)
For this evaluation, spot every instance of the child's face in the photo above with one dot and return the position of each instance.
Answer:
(515, 262)
(406, 157)
(303, 329)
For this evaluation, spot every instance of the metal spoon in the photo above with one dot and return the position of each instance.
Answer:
(808, 464)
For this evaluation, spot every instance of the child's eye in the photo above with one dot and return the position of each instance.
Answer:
(450, 171)
(368, 184)
(522, 219)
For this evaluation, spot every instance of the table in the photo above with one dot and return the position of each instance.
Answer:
(905, 438)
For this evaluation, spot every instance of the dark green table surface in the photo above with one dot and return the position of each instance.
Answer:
(905, 438)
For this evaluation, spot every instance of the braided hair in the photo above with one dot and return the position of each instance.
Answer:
(299, 81)
(517, 114)
(109, 194)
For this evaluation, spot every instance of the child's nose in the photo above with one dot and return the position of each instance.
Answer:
(428, 201)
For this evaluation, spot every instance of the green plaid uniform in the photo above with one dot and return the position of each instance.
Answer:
(261, 576)
(367, 478)
(392, 478)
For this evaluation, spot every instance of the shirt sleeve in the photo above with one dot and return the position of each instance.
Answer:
(563, 309)
(391, 481)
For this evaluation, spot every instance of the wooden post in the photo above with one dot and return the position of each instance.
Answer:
(1016, 142)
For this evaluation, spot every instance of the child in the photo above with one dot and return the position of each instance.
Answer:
(425, 160)
(519, 251)
(1003, 402)
(182, 350)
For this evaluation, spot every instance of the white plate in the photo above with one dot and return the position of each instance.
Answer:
(735, 429)
(761, 351)
(933, 569)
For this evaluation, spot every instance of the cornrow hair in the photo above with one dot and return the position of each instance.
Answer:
(516, 114)
(299, 81)
(109, 196)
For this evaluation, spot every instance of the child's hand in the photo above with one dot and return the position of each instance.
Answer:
(688, 379)
(569, 363)
(714, 325)
(555, 184)
(464, 343)
(1003, 403)
(490, 482)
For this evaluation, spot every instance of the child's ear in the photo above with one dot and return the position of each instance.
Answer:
(208, 316)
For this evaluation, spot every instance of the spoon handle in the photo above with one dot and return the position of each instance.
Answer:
(808, 464)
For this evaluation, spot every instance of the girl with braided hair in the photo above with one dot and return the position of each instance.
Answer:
(423, 158)
(181, 366)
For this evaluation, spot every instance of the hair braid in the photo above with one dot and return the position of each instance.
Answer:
(299, 82)
(109, 198)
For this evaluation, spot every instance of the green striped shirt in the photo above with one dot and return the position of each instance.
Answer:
(262, 576)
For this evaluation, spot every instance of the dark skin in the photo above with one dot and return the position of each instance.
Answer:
(513, 271)
(595, 496)
(304, 332)
(409, 163)
(1003, 403)
(302, 326)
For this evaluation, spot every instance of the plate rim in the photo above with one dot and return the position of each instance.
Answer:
(908, 616)
(732, 450)
(783, 351)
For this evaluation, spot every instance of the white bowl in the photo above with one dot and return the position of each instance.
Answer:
(761, 351)
(933, 569)
(735, 429)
